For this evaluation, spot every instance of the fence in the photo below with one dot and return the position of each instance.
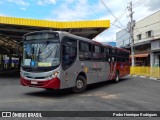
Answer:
(145, 71)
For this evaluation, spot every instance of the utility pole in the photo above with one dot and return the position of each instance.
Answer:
(132, 24)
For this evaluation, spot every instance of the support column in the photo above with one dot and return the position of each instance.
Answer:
(152, 59)
(156, 60)
(10, 60)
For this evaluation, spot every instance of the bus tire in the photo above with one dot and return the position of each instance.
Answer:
(80, 85)
(116, 80)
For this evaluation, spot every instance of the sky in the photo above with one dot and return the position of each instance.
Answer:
(77, 10)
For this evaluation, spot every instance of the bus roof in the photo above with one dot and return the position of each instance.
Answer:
(95, 42)
(64, 33)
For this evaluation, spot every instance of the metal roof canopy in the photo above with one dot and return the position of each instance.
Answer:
(15, 28)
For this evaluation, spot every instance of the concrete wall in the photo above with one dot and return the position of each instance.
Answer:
(155, 52)
(122, 38)
(150, 23)
(155, 45)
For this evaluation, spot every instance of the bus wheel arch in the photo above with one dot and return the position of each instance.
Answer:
(80, 84)
(82, 74)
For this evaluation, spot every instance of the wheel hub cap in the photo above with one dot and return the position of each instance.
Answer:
(79, 84)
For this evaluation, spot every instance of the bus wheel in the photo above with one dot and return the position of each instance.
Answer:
(81, 84)
(117, 77)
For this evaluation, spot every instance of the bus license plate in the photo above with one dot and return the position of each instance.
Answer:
(34, 82)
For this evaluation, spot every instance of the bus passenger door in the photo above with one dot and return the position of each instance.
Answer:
(69, 55)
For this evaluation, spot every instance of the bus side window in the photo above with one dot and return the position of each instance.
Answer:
(127, 57)
(107, 51)
(119, 59)
(123, 57)
(85, 51)
(110, 51)
(69, 52)
(97, 53)
(113, 51)
(106, 54)
(103, 54)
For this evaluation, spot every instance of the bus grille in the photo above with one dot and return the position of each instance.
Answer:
(35, 77)
(39, 83)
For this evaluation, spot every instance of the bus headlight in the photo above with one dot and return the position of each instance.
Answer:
(50, 77)
(55, 74)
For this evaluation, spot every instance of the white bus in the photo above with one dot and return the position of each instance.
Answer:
(59, 60)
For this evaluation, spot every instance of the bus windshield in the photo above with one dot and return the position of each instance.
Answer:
(41, 54)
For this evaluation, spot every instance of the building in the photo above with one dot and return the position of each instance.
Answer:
(146, 40)
(122, 38)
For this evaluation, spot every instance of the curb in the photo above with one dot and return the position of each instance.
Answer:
(143, 76)
(151, 78)
(134, 75)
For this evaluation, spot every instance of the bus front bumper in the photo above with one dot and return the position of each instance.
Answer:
(48, 84)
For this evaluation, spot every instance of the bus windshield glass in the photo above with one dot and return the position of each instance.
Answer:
(41, 54)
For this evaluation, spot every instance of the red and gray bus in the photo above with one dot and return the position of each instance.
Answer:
(59, 60)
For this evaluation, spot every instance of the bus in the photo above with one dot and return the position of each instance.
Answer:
(59, 60)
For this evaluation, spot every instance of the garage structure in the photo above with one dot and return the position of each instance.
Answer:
(12, 30)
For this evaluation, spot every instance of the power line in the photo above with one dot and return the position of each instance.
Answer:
(122, 36)
(118, 27)
(136, 1)
(138, 4)
(120, 15)
(111, 13)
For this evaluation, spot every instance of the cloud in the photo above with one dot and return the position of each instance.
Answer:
(24, 9)
(75, 10)
(153, 4)
(86, 10)
(1, 14)
(45, 2)
(64, 12)
(118, 8)
(108, 35)
(1, 2)
(69, 1)
(140, 12)
(144, 10)
(105, 37)
(19, 2)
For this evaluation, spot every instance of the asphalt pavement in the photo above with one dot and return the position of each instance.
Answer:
(130, 94)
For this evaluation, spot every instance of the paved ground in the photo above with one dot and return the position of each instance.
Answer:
(130, 94)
